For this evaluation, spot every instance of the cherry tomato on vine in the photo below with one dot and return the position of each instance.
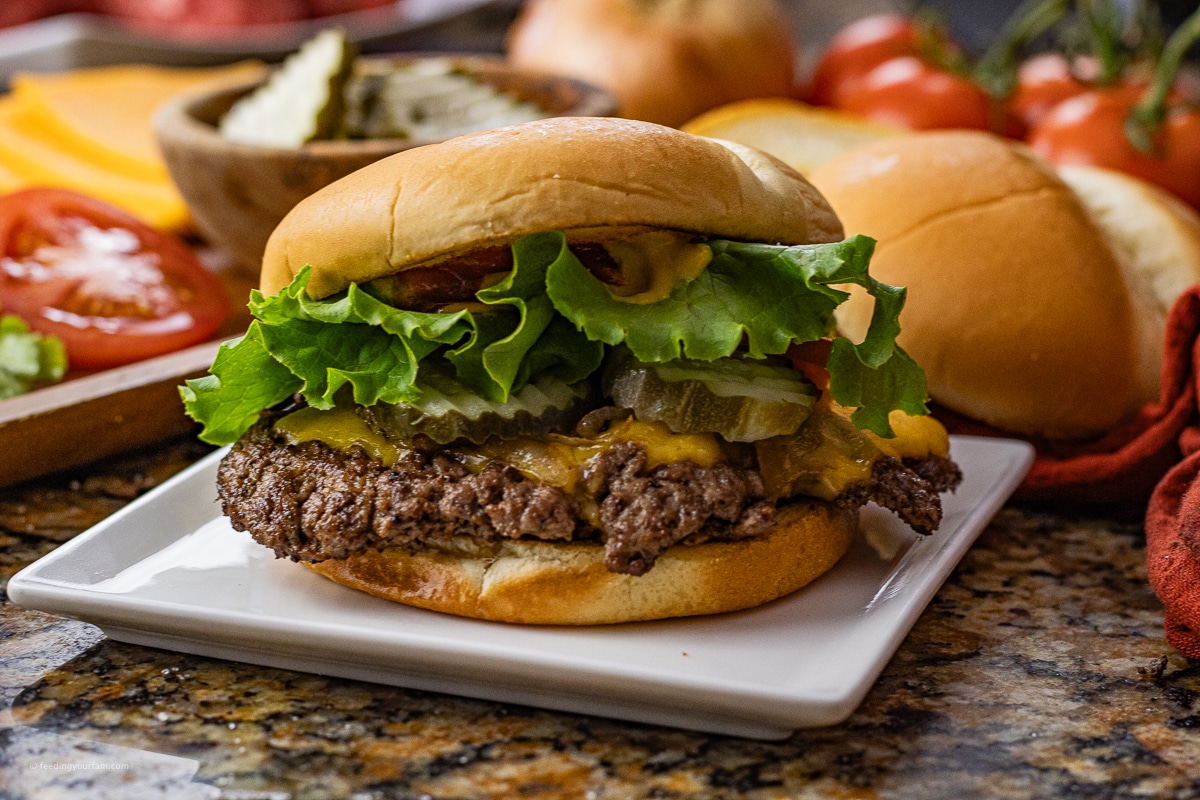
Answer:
(1089, 129)
(856, 50)
(1047, 79)
(1044, 81)
(112, 289)
(909, 92)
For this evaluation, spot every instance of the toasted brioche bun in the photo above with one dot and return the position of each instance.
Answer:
(663, 62)
(1017, 307)
(590, 177)
(1156, 239)
(544, 583)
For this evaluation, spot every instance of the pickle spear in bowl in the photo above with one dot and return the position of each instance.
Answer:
(326, 113)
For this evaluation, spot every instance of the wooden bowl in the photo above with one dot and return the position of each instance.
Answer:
(237, 193)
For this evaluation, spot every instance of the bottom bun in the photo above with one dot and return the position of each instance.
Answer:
(544, 583)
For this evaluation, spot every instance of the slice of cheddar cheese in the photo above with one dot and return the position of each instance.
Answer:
(36, 161)
(9, 180)
(104, 114)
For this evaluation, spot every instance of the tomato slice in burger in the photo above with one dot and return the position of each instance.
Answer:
(112, 289)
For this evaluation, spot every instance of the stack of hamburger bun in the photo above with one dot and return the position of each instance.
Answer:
(1038, 297)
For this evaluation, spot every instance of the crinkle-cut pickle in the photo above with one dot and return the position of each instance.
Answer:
(739, 399)
(447, 411)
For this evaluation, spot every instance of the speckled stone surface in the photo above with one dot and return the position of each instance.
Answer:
(1039, 670)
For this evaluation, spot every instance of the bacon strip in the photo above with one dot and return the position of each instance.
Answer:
(457, 278)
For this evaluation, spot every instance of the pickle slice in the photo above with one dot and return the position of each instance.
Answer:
(428, 100)
(447, 410)
(827, 455)
(738, 399)
(300, 102)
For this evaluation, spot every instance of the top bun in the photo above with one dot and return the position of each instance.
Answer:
(604, 175)
(1017, 308)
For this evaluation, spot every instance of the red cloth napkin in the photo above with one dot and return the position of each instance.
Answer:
(1138, 460)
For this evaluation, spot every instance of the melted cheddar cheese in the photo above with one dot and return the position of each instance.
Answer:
(915, 437)
(833, 458)
(829, 454)
(557, 460)
(560, 460)
(341, 429)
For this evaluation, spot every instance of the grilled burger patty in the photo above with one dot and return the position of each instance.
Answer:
(311, 502)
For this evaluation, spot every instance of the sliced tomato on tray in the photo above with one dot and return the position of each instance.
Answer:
(112, 289)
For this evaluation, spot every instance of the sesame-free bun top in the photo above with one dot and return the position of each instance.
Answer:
(591, 176)
(1017, 308)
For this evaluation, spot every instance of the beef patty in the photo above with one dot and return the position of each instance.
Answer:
(311, 502)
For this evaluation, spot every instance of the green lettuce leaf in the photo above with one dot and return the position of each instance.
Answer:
(317, 348)
(351, 339)
(551, 317)
(561, 352)
(503, 356)
(244, 379)
(875, 376)
(753, 293)
(770, 297)
(898, 383)
(27, 358)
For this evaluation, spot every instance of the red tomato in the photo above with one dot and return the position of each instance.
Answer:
(1048, 79)
(856, 50)
(1043, 82)
(811, 358)
(1090, 129)
(910, 93)
(114, 290)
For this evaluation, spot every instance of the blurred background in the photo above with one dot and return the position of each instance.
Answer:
(34, 36)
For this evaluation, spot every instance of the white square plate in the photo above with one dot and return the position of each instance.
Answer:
(168, 571)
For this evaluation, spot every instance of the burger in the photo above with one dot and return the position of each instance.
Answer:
(574, 371)
(1039, 295)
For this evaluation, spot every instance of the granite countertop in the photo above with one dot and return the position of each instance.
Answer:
(1039, 670)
